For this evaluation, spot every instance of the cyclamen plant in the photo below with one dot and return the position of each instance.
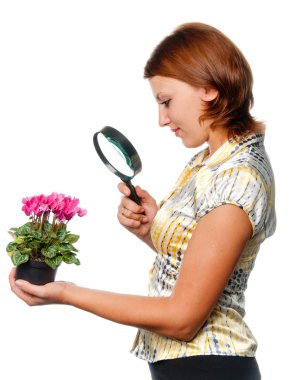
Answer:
(45, 237)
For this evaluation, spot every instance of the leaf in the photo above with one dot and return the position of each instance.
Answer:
(36, 234)
(49, 252)
(17, 258)
(12, 246)
(23, 248)
(20, 239)
(25, 251)
(72, 248)
(61, 234)
(77, 262)
(13, 231)
(36, 245)
(53, 263)
(48, 227)
(26, 229)
(56, 245)
(71, 238)
(69, 258)
(52, 235)
(64, 247)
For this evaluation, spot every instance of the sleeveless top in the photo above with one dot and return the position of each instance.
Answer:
(237, 173)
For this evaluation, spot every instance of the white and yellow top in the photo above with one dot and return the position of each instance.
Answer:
(237, 173)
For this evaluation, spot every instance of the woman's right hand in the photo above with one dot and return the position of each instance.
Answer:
(137, 218)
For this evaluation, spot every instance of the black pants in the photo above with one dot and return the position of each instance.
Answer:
(206, 367)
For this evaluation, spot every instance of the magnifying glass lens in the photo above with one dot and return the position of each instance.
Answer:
(119, 155)
(115, 155)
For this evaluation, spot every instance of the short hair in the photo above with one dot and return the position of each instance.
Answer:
(202, 56)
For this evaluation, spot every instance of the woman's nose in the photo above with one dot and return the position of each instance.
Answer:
(163, 118)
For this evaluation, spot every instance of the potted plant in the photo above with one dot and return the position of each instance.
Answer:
(43, 243)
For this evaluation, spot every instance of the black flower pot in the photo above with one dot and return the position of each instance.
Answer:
(35, 272)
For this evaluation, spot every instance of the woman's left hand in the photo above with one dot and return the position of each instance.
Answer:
(33, 295)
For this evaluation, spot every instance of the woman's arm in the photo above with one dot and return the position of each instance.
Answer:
(212, 254)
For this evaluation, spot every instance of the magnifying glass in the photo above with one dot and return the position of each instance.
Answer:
(119, 155)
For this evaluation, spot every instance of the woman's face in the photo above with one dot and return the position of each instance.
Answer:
(180, 106)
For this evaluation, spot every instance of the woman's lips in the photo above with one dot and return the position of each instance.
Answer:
(176, 131)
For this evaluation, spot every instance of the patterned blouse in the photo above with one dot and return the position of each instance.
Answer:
(237, 173)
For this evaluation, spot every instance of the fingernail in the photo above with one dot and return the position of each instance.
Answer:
(18, 282)
(145, 219)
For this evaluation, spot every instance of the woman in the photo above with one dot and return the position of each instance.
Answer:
(206, 232)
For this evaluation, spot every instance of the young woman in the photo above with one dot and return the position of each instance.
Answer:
(206, 232)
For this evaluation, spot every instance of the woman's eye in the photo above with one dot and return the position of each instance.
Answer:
(166, 103)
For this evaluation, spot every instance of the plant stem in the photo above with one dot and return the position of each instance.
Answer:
(53, 223)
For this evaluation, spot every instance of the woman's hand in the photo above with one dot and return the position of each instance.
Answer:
(137, 218)
(33, 295)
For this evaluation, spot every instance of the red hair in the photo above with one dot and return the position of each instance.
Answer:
(202, 56)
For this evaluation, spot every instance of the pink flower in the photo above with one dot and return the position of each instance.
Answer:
(82, 212)
(54, 201)
(64, 208)
(68, 209)
(36, 205)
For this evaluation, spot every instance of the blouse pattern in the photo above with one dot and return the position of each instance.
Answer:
(237, 173)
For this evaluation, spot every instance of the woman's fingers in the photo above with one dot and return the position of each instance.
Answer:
(12, 275)
(130, 214)
(136, 218)
(131, 220)
(23, 290)
(123, 188)
(131, 210)
(144, 195)
(38, 295)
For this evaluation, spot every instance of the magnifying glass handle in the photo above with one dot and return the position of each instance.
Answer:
(134, 197)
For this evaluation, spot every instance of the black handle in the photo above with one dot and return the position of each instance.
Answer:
(134, 197)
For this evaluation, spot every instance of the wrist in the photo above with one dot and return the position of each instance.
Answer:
(148, 240)
(67, 292)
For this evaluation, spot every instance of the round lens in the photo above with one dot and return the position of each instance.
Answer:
(115, 155)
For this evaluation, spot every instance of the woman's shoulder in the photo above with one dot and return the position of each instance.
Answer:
(249, 156)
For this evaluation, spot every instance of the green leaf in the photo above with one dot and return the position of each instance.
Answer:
(69, 258)
(12, 246)
(36, 234)
(20, 239)
(49, 252)
(61, 234)
(72, 248)
(13, 231)
(56, 245)
(64, 247)
(53, 263)
(36, 245)
(25, 250)
(25, 229)
(17, 258)
(48, 227)
(71, 238)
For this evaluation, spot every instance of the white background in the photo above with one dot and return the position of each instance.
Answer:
(67, 68)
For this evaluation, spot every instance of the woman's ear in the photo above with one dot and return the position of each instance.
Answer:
(208, 94)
